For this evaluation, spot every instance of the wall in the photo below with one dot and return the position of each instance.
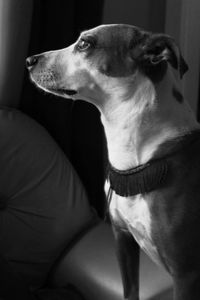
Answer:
(148, 14)
(183, 23)
(15, 20)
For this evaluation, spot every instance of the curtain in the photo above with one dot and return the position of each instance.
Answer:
(75, 126)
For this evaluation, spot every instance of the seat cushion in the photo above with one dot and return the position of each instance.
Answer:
(43, 204)
(92, 265)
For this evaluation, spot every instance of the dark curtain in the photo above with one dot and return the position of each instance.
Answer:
(75, 126)
(198, 106)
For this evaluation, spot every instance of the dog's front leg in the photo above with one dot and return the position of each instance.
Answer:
(128, 256)
(187, 286)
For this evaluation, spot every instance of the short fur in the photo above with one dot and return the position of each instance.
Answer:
(133, 78)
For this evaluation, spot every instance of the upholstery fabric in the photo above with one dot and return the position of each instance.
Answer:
(43, 204)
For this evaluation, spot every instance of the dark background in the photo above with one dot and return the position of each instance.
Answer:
(75, 126)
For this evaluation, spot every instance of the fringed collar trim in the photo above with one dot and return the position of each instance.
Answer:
(139, 180)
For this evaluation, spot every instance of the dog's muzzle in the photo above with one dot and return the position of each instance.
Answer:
(43, 78)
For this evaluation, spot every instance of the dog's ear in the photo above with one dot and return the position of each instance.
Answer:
(159, 48)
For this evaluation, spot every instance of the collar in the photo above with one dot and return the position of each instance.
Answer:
(138, 180)
(150, 176)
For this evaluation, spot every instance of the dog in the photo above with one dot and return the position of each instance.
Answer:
(134, 78)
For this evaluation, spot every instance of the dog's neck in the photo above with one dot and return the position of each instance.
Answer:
(137, 126)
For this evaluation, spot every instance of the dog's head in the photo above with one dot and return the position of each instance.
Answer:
(103, 61)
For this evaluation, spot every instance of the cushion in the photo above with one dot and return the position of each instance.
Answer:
(43, 204)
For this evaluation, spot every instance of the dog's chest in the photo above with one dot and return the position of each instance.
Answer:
(135, 213)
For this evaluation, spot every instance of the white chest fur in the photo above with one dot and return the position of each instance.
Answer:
(135, 213)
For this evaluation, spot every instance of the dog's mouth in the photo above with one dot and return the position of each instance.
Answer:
(61, 91)
(66, 92)
(47, 85)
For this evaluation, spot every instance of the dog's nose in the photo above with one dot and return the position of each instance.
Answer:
(31, 61)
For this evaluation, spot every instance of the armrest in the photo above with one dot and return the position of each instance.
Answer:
(91, 265)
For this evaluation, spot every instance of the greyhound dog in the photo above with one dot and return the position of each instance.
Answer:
(133, 77)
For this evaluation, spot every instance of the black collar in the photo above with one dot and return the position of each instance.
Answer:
(139, 180)
(150, 176)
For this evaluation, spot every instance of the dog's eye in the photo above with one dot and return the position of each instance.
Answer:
(83, 45)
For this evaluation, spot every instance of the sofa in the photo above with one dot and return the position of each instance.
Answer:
(53, 245)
